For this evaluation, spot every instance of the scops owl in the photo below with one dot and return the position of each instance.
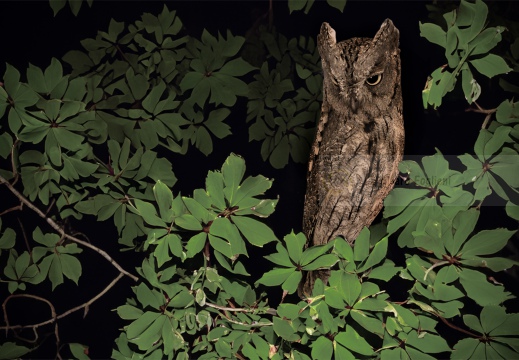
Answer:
(360, 138)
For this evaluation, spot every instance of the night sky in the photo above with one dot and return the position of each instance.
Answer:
(30, 34)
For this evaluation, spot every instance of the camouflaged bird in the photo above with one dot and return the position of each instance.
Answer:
(360, 138)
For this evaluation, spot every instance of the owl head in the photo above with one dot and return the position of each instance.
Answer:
(361, 73)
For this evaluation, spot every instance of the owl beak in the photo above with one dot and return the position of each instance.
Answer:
(354, 103)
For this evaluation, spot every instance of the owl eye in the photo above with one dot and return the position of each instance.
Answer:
(374, 80)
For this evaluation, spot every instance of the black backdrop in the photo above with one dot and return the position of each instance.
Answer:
(30, 34)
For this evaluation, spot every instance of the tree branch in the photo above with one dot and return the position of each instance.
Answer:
(62, 232)
(53, 312)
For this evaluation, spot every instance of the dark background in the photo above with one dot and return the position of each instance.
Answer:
(30, 34)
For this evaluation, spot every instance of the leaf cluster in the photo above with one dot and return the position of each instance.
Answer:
(467, 43)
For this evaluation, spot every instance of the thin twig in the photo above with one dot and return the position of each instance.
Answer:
(25, 238)
(452, 326)
(14, 208)
(51, 205)
(54, 317)
(480, 110)
(6, 317)
(225, 308)
(13, 164)
(253, 325)
(62, 232)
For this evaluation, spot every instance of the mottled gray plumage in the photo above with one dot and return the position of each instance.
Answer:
(360, 137)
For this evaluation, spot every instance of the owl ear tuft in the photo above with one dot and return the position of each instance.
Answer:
(327, 36)
(387, 35)
(383, 46)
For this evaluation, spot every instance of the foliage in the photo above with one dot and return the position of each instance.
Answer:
(284, 122)
(467, 44)
(75, 5)
(295, 5)
(97, 144)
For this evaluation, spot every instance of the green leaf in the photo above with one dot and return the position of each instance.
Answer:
(291, 283)
(129, 312)
(250, 187)
(281, 257)
(215, 123)
(188, 222)
(182, 299)
(399, 199)
(214, 188)
(507, 112)
(486, 242)
(295, 244)
(490, 65)
(6, 143)
(486, 40)
(279, 156)
(322, 349)
(79, 351)
(236, 67)
(433, 33)
(224, 229)
(361, 245)
(350, 339)
(371, 324)
(480, 290)
(384, 272)
(275, 277)
(223, 348)
(164, 199)
(338, 4)
(10, 350)
(376, 256)
(512, 210)
(196, 244)
(255, 232)
(197, 209)
(232, 171)
(150, 335)
(471, 88)
(223, 247)
(288, 311)
(507, 328)
(149, 213)
(464, 224)
(313, 252)
(465, 349)
(348, 286)
(284, 329)
(71, 267)
(203, 141)
(428, 343)
(57, 5)
(322, 262)
(55, 271)
(492, 317)
(8, 238)
(294, 5)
